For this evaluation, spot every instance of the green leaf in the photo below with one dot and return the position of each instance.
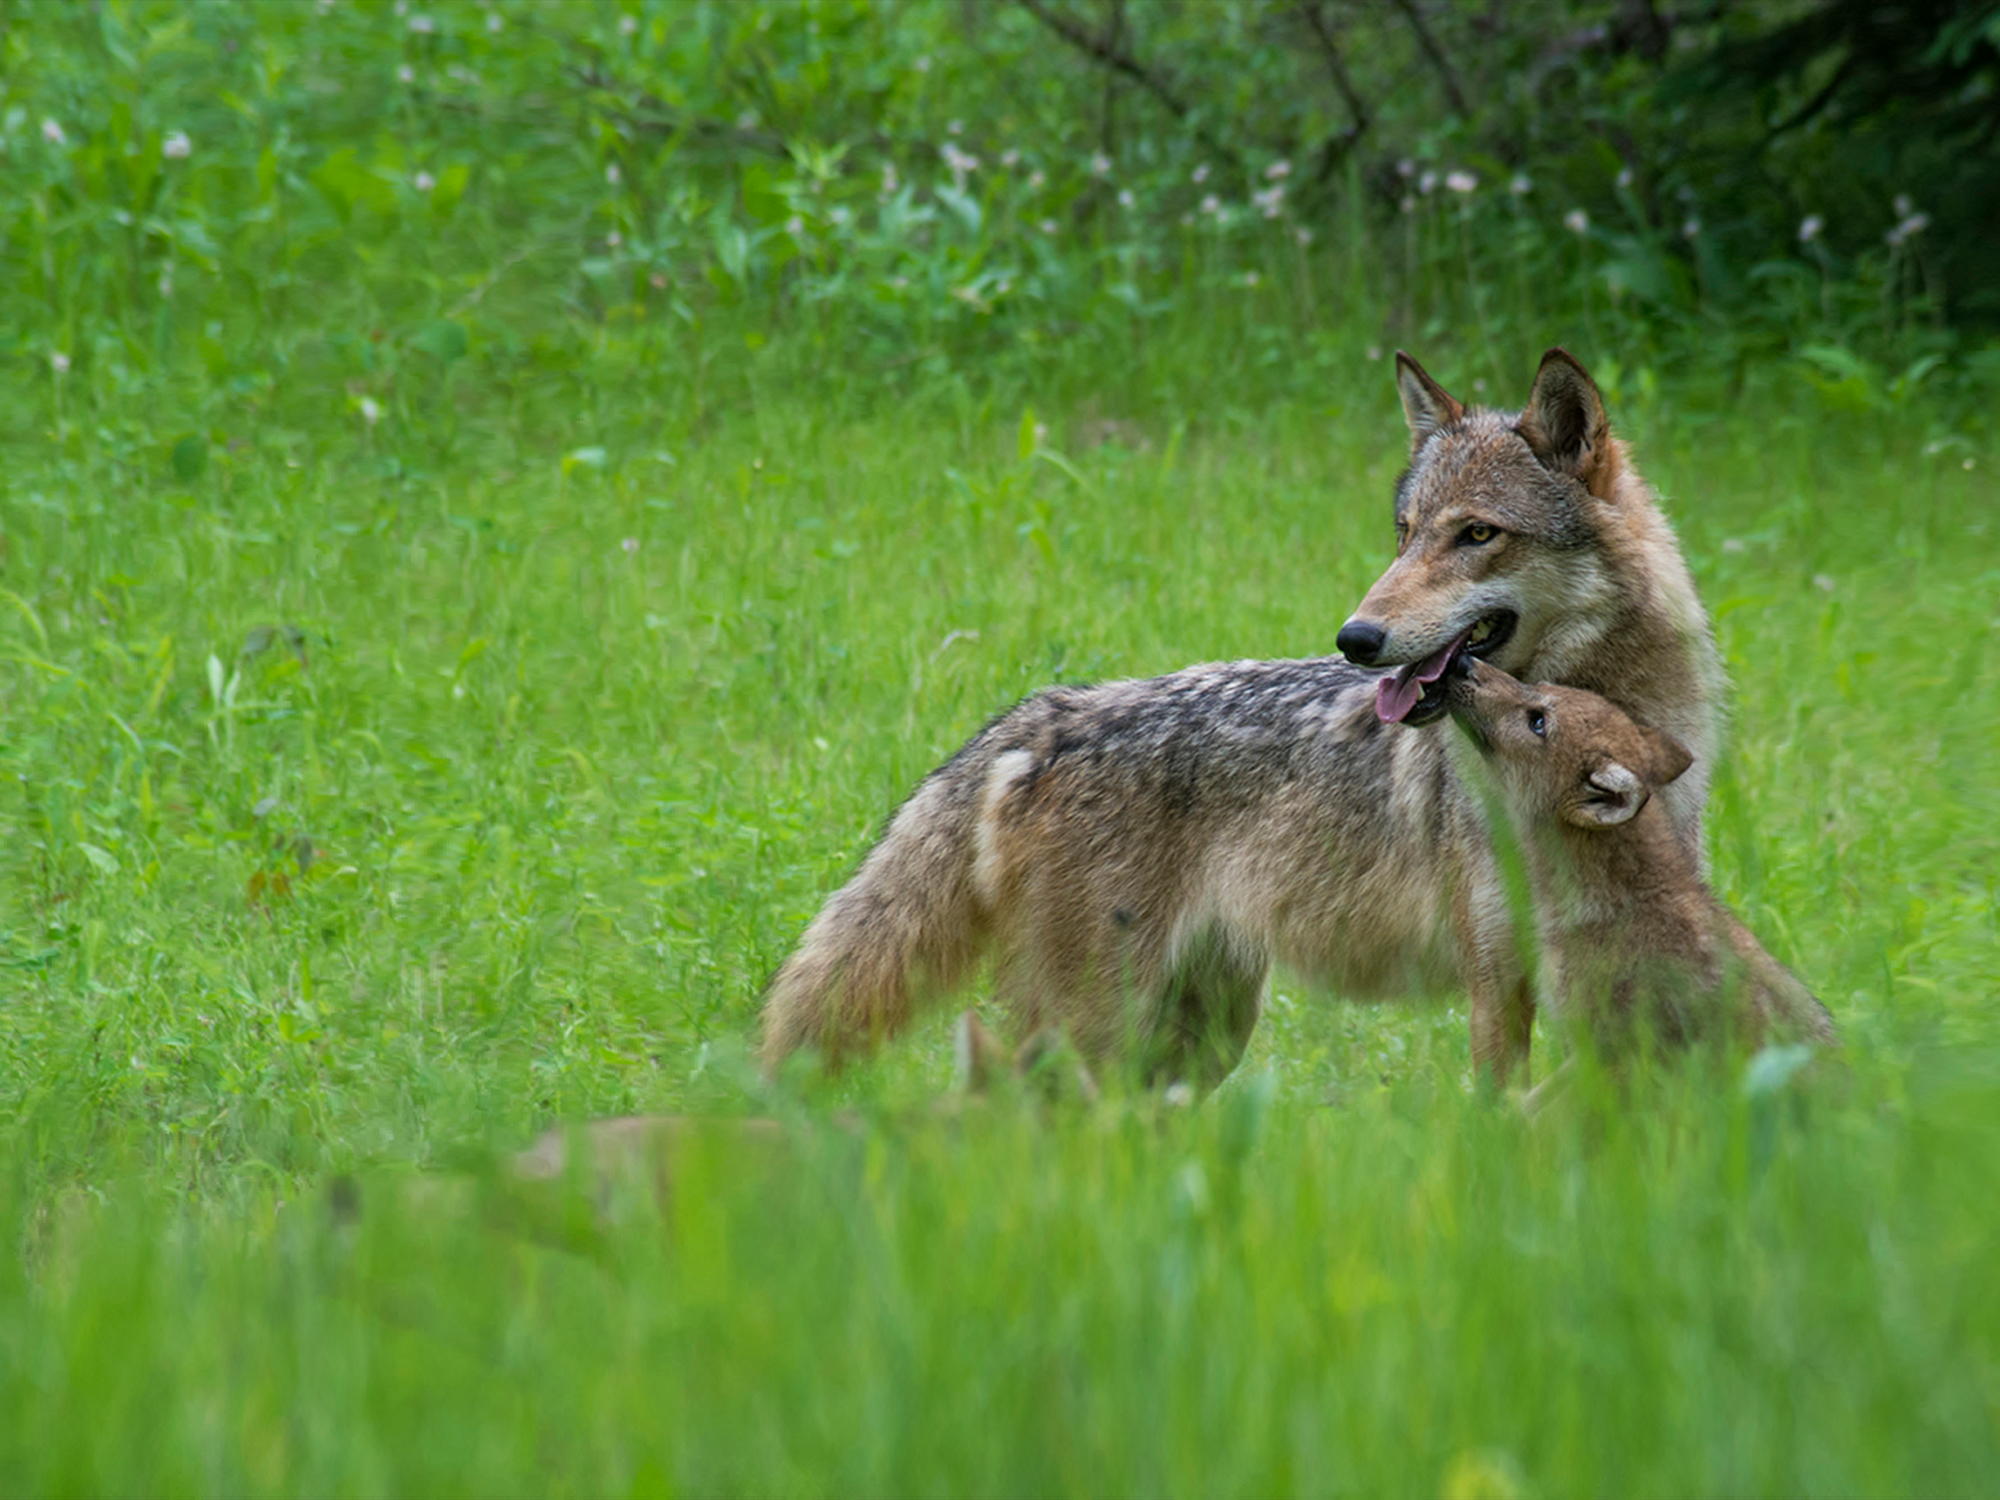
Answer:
(190, 458)
(103, 859)
(444, 340)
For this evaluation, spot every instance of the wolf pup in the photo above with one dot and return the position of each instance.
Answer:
(1136, 854)
(1632, 940)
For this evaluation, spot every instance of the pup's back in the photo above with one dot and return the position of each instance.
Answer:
(1633, 937)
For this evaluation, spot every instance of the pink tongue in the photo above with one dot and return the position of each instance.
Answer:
(1396, 696)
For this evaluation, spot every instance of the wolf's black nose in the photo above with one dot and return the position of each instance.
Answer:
(1361, 642)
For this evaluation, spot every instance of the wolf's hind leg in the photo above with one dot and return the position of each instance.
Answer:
(1207, 1013)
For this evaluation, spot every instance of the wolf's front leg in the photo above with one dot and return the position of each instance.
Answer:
(1502, 1000)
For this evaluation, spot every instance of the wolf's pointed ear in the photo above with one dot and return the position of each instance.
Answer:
(1565, 425)
(1667, 759)
(1426, 406)
(1612, 794)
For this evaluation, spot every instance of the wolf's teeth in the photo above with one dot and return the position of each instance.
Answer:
(1479, 632)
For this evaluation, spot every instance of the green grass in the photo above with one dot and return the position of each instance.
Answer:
(579, 742)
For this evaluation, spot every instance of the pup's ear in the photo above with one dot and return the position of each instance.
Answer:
(1565, 425)
(1667, 759)
(1612, 794)
(1426, 406)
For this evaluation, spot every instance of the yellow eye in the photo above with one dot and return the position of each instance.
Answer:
(1477, 534)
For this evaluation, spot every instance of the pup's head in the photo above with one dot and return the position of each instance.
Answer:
(1561, 752)
(1495, 523)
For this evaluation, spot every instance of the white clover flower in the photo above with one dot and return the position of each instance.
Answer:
(1809, 228)
(1690, 229)
(1249, 278)
(1374, 352)
(1278, 171)
(1460, 181)
(1271, 202)
(1303, 235)
(840, 213)
(1625, 178)
(1010, 157)
(493, 22)
(53, 133)
(1035, 180)
(1576, 221)
(1100, 164)
(954, 127)
(1126, 199)
(922, 64)
(612, 175)
(59, 362)
(423, 182)
(613, 240)
(406, 74)
(629, 545)
(1211, 204)
(628, 25)
(370, 412)
(1427, 184)
(1915, 224)
(422, 25)
(890, 181)
(166, 282)
(1406, 168)
(1901, 203)
(795, 226)
(1200, 174)
(1409, 204)
(959, 162)
(177, 147)
(1047, 226)
(1522, 185)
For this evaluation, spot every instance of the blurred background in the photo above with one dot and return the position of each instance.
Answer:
(948, 184)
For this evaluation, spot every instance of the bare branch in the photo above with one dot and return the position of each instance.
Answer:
(1329, 50)
(1110, 54)
(1447, 75)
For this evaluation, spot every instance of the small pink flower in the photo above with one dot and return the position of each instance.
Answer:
(630, 544)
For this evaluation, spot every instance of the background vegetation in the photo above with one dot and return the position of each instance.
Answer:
(501, 503)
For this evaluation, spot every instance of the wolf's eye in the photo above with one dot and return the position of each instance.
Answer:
(1478, 534)
(1402, 535)
(1538, 724)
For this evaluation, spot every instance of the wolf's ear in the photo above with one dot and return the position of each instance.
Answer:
(1667, 759)
(1426, 406)
(1564, 422)
(1612, 794)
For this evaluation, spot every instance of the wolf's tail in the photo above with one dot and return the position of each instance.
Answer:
(903, 930)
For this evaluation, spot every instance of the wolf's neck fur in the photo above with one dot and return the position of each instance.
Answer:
(1654, 654)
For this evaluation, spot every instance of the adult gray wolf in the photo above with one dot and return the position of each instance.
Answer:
(1634, 947)
(1136, 854)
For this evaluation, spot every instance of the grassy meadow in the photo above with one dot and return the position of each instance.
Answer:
(431, 703)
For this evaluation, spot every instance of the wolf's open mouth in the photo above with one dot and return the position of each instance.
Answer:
(1411, 695)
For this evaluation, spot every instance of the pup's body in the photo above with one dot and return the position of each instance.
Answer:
(1137, 854)
(1632, 940)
